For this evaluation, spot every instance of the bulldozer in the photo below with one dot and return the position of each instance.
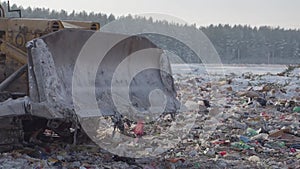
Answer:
(36, 80)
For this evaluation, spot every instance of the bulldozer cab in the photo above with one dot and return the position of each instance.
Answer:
(15, 32)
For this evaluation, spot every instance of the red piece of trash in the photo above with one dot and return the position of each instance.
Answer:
(223, 153)
(282, 117)
(139, 128)
(175, 160)
(293, 150)
(219, 142)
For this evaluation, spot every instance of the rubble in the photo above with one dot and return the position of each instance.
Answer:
(249, 121)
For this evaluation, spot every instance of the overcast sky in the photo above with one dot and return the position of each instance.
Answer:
(284, 13)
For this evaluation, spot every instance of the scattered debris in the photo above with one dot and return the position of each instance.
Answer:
(251, 122)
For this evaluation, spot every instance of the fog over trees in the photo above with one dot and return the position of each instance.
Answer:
(234, 43)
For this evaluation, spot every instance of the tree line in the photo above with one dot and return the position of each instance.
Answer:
(234, 44)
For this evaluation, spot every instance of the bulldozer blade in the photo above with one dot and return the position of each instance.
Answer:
(53, 59)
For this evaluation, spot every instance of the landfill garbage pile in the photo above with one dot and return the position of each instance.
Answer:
(244, 120)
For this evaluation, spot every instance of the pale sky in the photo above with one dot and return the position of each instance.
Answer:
(283, 13)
